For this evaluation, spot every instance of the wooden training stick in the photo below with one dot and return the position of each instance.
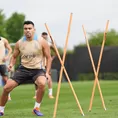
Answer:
(98, 67)
(62, 64)
(61, 71)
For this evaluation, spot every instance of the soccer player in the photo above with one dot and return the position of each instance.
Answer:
(31, 51)
(4, 44)
(50, 92)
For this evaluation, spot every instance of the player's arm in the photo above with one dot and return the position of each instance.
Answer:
(14, 56)
(7, 46)
(46, 51)
(53, 49)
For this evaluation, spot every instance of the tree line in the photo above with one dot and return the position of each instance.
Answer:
(12, 27)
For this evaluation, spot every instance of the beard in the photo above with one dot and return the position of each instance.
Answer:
(28, 35)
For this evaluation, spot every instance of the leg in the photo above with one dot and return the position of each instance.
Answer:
(10, 85)
(5, 78)
(35, 91)
(50, 83)
(40, 82)
(4, 74)
(50, 88)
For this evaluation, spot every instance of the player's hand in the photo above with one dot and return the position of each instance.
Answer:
(5, 59)
(10, 68)
(48, 76)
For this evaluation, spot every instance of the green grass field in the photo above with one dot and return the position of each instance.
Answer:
(23, 102)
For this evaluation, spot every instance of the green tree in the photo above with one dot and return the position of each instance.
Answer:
(14, 27)
(2, 23)
(97, 38)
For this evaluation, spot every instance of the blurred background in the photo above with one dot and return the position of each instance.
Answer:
(93, 14)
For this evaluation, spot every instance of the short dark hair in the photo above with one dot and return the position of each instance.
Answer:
(44, 33)
(28, 22)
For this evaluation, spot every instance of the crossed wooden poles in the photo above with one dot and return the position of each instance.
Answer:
(96, 72)
(63, 69)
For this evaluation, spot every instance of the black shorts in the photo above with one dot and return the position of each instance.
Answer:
(3, 70)
(23, 74)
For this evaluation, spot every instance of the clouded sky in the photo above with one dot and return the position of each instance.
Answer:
(92, 13)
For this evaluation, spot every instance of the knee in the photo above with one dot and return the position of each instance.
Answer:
(41, 82)
(41, 85)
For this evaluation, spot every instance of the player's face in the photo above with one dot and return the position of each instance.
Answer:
(29, 30)
(45, 37)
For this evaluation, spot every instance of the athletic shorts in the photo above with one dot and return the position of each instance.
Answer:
(3, 70)
(23, 74)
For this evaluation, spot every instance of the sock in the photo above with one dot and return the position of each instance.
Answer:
(50, 91)
(37, 105)
(2, 108)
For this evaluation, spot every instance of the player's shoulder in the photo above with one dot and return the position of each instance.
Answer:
(22, 39)
(41, 40)
(49, 43)
(19, 42)
(3, 39)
